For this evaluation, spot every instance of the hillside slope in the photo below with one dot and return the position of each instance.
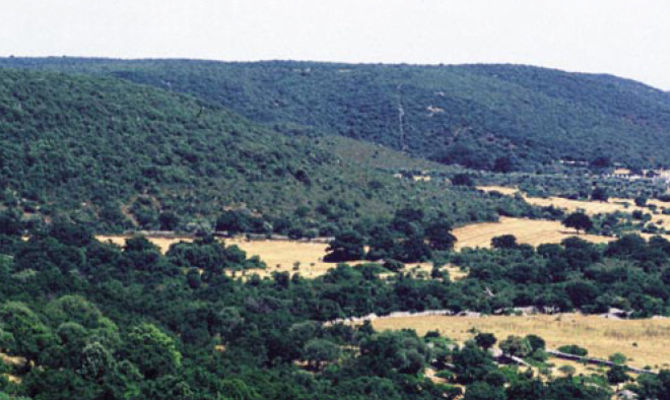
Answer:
(103, 150)
(467, 114)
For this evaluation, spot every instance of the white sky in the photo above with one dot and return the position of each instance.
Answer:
(629, 38)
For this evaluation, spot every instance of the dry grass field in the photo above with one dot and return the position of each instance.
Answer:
(592, 207)
(589, 207)
(533, 232)
(645, 342)
(279, 255)
(284, 255)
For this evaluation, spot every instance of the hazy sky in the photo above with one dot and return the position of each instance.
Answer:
(630, 38)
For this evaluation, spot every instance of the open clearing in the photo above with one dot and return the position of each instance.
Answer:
(589, 207)
(646, 342)
(279, 255)
(284, 255)
(530, 231)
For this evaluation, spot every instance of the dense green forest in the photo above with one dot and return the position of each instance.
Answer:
(119, 155)
(469, 114)
(303, 150)
(97, 321)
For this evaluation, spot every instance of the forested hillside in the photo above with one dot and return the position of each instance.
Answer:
(469, 114)
(104, 150)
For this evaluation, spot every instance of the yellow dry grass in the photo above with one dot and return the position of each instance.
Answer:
(279, 255)
(530, 231)
(589, 207)
(645, 342)
(506, 190)
(284, 255)
(613, 205)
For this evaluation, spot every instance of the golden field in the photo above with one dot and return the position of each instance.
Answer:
(644, 342)
(589, 207)
(530, 231)
(284, 255)
(279, 255)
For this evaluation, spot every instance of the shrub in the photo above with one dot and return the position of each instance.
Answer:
(574, 350)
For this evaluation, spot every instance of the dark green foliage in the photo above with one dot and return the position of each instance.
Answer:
(573, 349)
(617, 375)
(578, 220)
(516, 346)
(114, 155)
(347, 246)
(640, 201)
(484, 391)
(470, 114)
(462, 180)
(599, 194)
(485, 340)
(504, 242)
(535, 342)
(439, 236)
(132, 322)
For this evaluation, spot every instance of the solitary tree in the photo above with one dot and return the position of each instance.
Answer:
(485, 340)
(578, 220)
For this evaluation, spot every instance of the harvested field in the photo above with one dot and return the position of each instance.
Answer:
(646, 342)
(530, 231)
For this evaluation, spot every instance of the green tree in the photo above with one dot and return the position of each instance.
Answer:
(617, 375)
(30, 335)
(504, 242)
(320, 351)
(347, 246)
(516, 346)
(485, 340)
(484, 391)
(154, 352)
(599, 194)
(578, 221)
(439, 236)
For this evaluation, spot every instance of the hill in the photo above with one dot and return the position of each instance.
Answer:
(102, 150)
(465, 114)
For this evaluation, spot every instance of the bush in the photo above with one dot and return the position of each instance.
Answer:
(574, 350)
